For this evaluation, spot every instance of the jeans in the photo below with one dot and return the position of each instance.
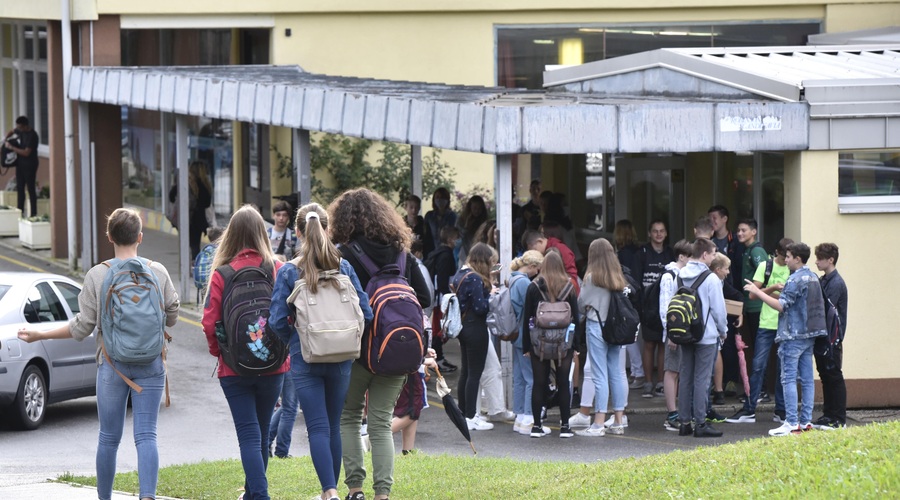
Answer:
(834, 390)
(252, 400)
(634, 356)
(318, 383)
(473, 347)
(765, 338)
(796, 363)
(282, 424)
(694, 375)
(383, 392)
(523, 382)
(606, 371)
(112, 400)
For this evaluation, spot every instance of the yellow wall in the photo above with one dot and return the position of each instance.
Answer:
(811, 211)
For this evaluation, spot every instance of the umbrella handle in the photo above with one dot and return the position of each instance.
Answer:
(473, 448)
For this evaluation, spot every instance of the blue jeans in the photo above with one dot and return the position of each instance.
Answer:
(606, 370)
(765, 339)
(796, 363)
(282, 424)
(112, 400)
(252, 400)
(321, 390)
(523, 382)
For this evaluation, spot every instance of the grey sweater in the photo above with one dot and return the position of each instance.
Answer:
(87, 318)
(594, 296)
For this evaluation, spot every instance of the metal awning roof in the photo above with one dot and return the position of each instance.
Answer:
(889, 35)
(489, 120)
(781, 73)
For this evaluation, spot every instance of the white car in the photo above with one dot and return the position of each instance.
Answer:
(48, 371)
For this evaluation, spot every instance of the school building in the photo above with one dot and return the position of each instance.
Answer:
(650, 110)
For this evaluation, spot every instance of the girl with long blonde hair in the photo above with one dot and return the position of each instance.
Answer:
(548, 286)
(251, 398)
(522, 270)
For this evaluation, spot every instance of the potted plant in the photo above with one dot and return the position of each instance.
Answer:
(9, 220)
(34, 232)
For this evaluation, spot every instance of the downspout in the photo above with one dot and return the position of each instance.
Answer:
(71, 228)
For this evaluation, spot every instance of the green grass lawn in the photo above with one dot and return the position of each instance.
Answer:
(859, 462)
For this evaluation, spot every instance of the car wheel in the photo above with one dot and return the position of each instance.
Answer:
(31, 400)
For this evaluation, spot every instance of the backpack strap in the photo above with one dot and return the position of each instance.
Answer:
(363, 259)
(564, 293)
(454, 288)
(770, 264)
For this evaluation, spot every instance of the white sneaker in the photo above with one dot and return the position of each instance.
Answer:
(784, 430)
(612, 420)
(503, 416)
(592, 432)
(477, 424)
(580, 420)
(616, 429)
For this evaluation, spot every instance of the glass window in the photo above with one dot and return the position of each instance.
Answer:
(43, 306)
(70, 295)
(23, 57)
(869, 174)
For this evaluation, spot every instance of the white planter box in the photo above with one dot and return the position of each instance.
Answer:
(11, 199)
(9, 222)
(34, 235)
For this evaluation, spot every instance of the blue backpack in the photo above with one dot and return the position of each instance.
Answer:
(203, 266)
(132, 312)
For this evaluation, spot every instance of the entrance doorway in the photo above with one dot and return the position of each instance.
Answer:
(651, 188)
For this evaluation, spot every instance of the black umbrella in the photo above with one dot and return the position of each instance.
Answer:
(452, 409)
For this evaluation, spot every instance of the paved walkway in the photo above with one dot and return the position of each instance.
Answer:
(59, 491)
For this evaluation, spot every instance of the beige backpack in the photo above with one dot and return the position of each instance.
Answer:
(329, 322)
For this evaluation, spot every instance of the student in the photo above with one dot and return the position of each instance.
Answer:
(363, 217)
(473, 215)
(603, 278)
(25, 145)
(473, 288)
(550, 283)
(720, 266)
(802, 319)
(199, 199)
(834, 391)
(754, 254)
(123, 229)
(697, 360)
(320, 388)
(626, 243)
(650, 265)
(415, 222)
(441, 267)
(522, 270)
(250, 398)
(437, 218)
(532, 210)
(726, 242)
(535, 240)
(765, 338)
(672, 362)
(704, 228)
(283, 239)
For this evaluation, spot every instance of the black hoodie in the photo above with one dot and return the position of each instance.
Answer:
(441, 264)
(383, 255)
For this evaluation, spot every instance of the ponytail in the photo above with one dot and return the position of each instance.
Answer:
(317, 253)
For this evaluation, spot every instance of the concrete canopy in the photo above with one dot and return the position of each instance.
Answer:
(487, 120)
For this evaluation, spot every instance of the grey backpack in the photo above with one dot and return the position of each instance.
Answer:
(132, 312)
(501, 318)
(550, 334)
(329, 322)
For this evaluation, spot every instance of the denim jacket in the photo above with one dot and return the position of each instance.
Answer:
(803, 309)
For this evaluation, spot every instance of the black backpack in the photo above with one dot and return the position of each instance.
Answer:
(622, 320)
(685, 323)
(650, 306)
(248, 346)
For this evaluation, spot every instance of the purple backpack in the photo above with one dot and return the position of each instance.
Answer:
(394, 341)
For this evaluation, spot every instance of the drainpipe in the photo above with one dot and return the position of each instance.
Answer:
(71, 222)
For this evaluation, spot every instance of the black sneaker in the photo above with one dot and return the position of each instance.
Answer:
(355, 496)
(536, 431)
(779, 416)
(565, 432)
(685, 430)
(718, 397)
(714, 417)
(706, 431)
(742, 417)
(764, 397)
(446, 366)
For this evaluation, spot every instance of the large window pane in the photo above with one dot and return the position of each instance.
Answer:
(869, 174)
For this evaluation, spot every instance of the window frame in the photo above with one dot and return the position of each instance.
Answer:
(20, 66)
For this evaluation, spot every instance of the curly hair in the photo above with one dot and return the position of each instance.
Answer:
(361, 213)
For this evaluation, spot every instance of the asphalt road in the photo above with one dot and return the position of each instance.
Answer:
(198, 425)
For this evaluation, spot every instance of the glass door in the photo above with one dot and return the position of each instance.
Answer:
(651, 188)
